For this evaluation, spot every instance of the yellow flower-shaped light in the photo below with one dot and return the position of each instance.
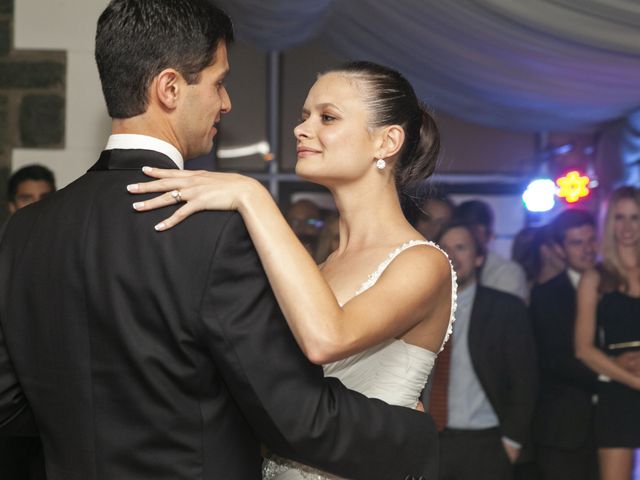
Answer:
(573, 186)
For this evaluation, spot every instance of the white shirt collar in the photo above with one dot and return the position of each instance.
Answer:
(130, 141)
(574, 277)
(466, 295)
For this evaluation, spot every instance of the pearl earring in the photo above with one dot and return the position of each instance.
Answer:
(380, 164)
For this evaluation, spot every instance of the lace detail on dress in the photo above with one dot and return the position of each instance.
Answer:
(373, 278)
(273, 466)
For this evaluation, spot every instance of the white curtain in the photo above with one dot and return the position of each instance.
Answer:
(276, 24)
(534, 65)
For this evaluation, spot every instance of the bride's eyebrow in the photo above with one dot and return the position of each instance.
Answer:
(322, 106)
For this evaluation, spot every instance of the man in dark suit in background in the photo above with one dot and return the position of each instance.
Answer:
(563, 427)
(483, 388)
(162, 357)
(21, 457)
(28, 185)
(496, 272)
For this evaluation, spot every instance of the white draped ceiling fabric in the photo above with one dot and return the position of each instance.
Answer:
(539, 65)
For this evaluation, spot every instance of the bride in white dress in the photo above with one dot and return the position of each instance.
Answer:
(365, 136)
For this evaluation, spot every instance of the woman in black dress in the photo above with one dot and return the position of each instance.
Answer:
(609, 316)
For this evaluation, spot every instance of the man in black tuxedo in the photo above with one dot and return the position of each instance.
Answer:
(145, 356)
(484, 384)
(563, 427)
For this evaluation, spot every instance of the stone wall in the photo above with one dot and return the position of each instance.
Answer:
(32, 98)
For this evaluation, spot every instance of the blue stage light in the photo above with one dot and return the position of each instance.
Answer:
(540, 195)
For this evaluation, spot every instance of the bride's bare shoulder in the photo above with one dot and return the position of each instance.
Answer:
(423, 268)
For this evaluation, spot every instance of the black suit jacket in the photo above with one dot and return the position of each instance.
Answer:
(565, 408)
(503, 355)
(146, 355)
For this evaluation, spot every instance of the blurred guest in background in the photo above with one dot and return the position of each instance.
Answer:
(305, 220)
(533, 250)
(434, 213)
(564, 423)
(483, 389)
(609, 311)
(497, 272)
(21, 458)
(552, 260)
(29, 185)
(329, 238)
(524, 252)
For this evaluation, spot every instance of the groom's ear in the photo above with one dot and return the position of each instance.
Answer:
(166, 88)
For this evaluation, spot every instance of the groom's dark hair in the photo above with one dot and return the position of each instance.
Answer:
(137, 39)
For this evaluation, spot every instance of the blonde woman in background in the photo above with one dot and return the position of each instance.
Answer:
(609, 316)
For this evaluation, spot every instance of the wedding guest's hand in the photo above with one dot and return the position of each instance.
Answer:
(196, 190)
(512, 452)
(630, 361)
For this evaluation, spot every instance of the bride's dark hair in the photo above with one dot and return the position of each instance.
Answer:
(391, 100)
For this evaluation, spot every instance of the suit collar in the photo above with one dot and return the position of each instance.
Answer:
(478, 312)
(133, 159)
(478, 303)
(559, 281)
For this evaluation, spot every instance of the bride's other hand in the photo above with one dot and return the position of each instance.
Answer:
(196, 190)
(420, 406)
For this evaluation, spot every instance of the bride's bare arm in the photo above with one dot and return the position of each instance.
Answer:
(409, 291)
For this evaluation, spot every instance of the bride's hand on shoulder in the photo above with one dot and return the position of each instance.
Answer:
(196, 190)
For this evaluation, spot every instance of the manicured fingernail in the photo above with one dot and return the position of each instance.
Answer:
(133, 187)
(138, 205)
(161, 226)
(146, 169)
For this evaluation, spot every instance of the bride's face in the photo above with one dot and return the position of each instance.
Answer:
(334, 145)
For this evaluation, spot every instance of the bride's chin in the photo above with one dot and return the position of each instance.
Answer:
(309, 177)
(312, 175)
(304, 172)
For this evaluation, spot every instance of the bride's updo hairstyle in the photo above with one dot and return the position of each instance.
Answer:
(391, 100)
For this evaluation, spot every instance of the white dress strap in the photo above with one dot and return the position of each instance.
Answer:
(373, 278)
